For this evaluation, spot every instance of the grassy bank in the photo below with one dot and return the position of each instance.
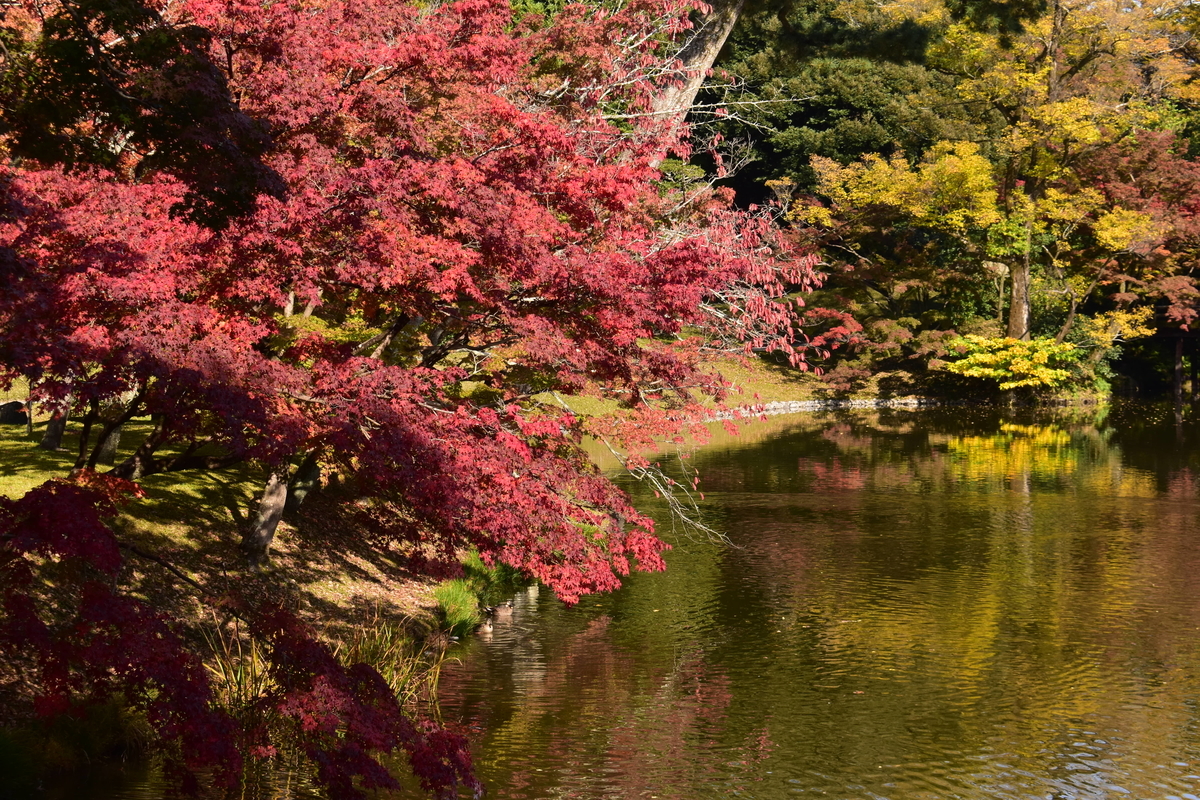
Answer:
(361, 599)
(463, 602)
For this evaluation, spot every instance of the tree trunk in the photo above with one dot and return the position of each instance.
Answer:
(257, 540)
(55, 428)
(1000, 301)
(307, 479)
(696, 59)
(110, 435)
(1066, 328)
(85, 433)
(1018, 311)
(1179, 372)
(106, 452)
(135, 467)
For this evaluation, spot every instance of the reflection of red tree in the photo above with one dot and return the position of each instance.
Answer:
(598, 713)
(834, 476)
(658, 746)
(679, 738)
(1182, 484)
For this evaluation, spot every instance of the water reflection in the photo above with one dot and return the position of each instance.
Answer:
(917, 605)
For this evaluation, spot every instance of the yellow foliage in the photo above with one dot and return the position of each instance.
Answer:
(1105, 330)
(1122, 229)
(1013, 363)
(783, 188)
(1068, 208)
(952, 188)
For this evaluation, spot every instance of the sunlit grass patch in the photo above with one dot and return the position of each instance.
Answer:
(758, 380)
(459, 606)
(755, 380)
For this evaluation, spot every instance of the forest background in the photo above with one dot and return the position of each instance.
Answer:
(962, 173)
(349, 273)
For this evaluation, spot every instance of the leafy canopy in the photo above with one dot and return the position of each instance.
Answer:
(470, 227)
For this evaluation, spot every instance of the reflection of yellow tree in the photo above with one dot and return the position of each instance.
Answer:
(975, 591)
(1029, 628)
(1012, 454)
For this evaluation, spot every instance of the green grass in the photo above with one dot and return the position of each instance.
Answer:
(461, 601)
(763, 381)
(756, 380)
(181, 515)
(494, 584)
(459, 606)
(194, 519)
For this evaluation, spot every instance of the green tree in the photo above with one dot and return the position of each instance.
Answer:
(1008, 209)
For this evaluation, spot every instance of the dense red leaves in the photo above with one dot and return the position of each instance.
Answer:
(512, 233)
(1151, 174)
(472, 218)
(89, 642)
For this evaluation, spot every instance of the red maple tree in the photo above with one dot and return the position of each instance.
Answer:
(1149, 172)
(468, 223)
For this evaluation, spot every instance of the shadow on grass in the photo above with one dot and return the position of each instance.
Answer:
(323, 566)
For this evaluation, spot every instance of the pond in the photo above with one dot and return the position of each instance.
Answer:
(937, 604)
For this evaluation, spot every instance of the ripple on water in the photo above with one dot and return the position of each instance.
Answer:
(1008, 619)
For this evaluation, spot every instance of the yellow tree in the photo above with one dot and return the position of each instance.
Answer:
(1079, 78)
(1082, 75)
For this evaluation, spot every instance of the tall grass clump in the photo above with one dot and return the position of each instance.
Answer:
(409, 667)
(239, 673)
(459, 605)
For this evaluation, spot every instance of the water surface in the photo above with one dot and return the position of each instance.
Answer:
(935, 604)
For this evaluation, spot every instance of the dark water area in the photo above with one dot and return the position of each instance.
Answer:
(934, 604)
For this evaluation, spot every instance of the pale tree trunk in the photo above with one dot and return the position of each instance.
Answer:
(306, 480)
(55, 428)
(696, 59)
(1018, 310)
(256, 541)
(110, 437)
(106, 453)
(279, 497)
(999, 270)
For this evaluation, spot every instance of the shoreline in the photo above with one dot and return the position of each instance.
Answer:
(779, 407)
(776, 407)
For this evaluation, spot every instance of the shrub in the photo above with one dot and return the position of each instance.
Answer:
(1013, 363)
